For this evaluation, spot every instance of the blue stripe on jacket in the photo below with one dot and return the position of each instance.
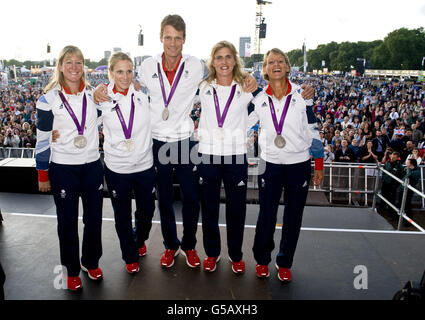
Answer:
(44, 120)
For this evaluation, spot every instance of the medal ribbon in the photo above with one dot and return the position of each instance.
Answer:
(221, 118)
(127, 130)
(80, 128)
(173, 88)
(279, 126)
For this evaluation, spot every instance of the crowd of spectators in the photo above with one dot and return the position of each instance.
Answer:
(365, 120)
(360, 119)
(18, 114)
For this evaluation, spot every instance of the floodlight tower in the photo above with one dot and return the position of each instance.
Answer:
(260, 25)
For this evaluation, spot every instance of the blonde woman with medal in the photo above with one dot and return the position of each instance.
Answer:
(71, 166)
(128, 159)
(222, 148)
(286, 139)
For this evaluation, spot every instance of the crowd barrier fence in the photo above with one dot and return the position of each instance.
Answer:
(354, 184)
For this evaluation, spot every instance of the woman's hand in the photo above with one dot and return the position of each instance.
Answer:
(308, 92)
(55, 135)
(317, 177)
(250, 84)
(44, 186)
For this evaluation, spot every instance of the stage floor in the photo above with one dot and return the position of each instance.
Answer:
(335, 243)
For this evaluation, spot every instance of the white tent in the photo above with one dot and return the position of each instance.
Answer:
(47, 69)
(25, 70)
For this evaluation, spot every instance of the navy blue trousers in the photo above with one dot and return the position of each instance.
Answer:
(233, 172)
(68, 183)
(295, 180)
(121, 188)
(170, 158)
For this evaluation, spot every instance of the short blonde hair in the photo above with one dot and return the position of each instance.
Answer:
(275, 51)
(114, 59)
(57, 77)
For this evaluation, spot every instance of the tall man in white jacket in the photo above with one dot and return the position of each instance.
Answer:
(171, 80)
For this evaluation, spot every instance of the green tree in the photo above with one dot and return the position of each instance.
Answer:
(296, 58)
(13, 62)
(401, 49)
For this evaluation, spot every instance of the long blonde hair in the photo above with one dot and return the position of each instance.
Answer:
(238, 73)
(57, 77)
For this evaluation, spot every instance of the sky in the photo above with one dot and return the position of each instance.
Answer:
(99, 25)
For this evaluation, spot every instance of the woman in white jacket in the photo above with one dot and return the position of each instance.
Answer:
(71, 166)
(128, 159)
(285, 139)
(222, 147)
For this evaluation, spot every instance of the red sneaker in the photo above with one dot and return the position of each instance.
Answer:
(167, 258)
(74, 283)
(192, 258)
(132, 267)
(210, 263)
(262, 271)
(94, 274)
(142, 251)
(284, 274)
(238, 267)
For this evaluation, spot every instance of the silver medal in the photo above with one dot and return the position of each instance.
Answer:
(80, 141)
(280, 142)
(219, 133)
(165, 114)
(129, 145)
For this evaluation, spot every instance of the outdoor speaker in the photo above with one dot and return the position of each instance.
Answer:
(263, 30)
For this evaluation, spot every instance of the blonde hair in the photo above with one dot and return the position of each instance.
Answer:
(57, 77)
(114, 59)
(238, 73)
(275, 51)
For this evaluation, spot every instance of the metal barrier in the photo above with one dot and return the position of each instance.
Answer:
(400, 211)
(342, 182)
(359, 178)
(6, 152)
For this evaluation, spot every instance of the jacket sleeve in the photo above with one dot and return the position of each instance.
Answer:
(44, 133)
(316, 149)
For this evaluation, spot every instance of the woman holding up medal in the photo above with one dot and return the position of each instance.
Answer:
(285, 140)
(71, 167)
(222, 147)
(128, 159)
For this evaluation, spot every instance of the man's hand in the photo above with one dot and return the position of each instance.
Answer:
(250, 84)
(44, 186)
(101, 94)
(308, 92)
(318, 177)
